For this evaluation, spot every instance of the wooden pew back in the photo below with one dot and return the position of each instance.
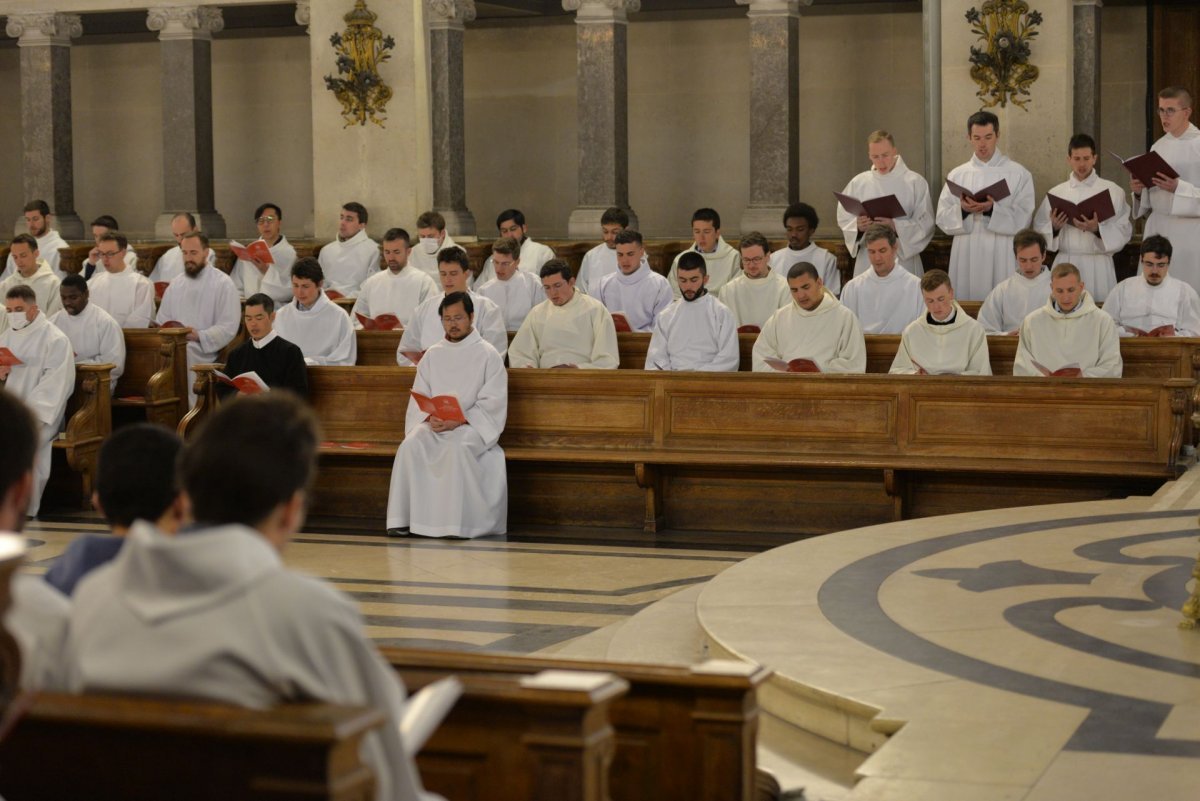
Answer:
(89, 422)
(156, 374)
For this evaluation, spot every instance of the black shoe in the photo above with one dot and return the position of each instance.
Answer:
(402, 531)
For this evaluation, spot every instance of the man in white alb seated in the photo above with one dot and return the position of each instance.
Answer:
(602, 259)
(215, 614)
(351, 258)
(170, 264)
(449, 478)
(425, 329)
(314, 323)
(885, 299)
(800, 221)
(95, 336)
(511, 224)
(432, 236)
(889, 175)
(104, 224)
(697, 331)
(1070, 336)
(34, 272)
(724, 262)
(1152, 303)
(45, 378)
(399, 288)
(273, 278)
(815, 327)
(946, 341)
(568, 329)
(514, 290)
(37, 226)
(759, 291)
(1022, 293)
(634, 290)
(119, 289)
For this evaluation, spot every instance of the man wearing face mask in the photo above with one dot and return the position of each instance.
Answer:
(96, 338)
(32, 271)
(697, 331)
(431, 230)
(44, 379)
(272, 278)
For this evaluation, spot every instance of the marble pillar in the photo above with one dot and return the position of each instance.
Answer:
(1087, 68)
(185, 36)
(44, 39)
(446, 18)
(931, 36)
(774, 112)
(602, 77)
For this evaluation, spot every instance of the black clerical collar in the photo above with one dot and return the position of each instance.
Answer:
(929, 318)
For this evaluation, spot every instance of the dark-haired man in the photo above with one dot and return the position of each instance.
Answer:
(215, 614)
(511, 224)
(886, 298)
(1153, 303)
(514, 290)
(279, 363)
(273, 278)
(800, 221)
(697, 331)
(601, 260)
(34, 272)
(449, 479)
(353, 256)
(567, 329)
(120, 289)
(37, 224)
(104, 224)
(759, 291)
(314, 323)
(815, 327)
(170, 264)
(634, 290)
(96, 338)
(397, 290)
(425, 328)
(1022, 293)
(432, 237)
(723, 261)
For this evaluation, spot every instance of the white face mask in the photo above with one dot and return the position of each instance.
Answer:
(17, 320)
(429, 244)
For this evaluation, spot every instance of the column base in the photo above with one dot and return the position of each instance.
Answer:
(460, 223)
(210, 222)
(585, 221)
(767, 220)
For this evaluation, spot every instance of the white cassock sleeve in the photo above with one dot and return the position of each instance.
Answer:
(1023, 363)
(112, 348)
(228, 318)
(1186, 200)
(950, 215)
(410, 341)
(916, 230)
(523, 352)
(729, 354)
(991, 315)
(1188, 316)
(1110, 364)
(766, 346)
(492, 328)
(142, 314)
(55, 382)
(344, 352)
(658, 357)
(604, 343)
(1014, 212)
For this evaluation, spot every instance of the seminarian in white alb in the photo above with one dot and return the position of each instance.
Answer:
(1025, 291)
(759, 291)
(1070, 336)
(946, 341)
(697, 331)
(425, 329)
(1152, 303)
(885, 298)
(815, 327)
(96, 338)
(567, 330)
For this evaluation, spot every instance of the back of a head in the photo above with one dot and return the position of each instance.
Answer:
(253, 455)
(18, 441)
(136, 473)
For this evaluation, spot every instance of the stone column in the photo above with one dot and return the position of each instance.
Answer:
(185, 34)
(1087, 68)
(602, 76)
(48, 171)
(446, 18)
(931, 29)
(774, 112)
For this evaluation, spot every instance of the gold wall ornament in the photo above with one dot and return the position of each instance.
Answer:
(360, 49)
(1001, 65)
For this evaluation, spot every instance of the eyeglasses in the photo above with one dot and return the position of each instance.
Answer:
(104, 254)
(1152, 264)
(266, 218)
(753, 260)
(1169, 112)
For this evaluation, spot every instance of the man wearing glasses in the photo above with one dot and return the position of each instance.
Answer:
(1174, 203)
(102, 225)
(272, 278)
(759, 292)
(1153, 304)
(123, 292)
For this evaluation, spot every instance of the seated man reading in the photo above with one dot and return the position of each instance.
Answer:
(568, 329)
(1154, 304)
(1070, 336)
(279, 363)
(697, 331)
(946, 341)
(815, 333)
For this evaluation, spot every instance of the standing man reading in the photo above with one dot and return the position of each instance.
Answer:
(274, 277)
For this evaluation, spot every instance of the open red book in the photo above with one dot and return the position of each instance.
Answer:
(748, 329)
(998, 191)
(172, 324)
(1099, 204)
(794, 366)
(1067, 371)
(887, 206)
(1146, 166)
(160, 287)
(333, 294)
(8, 358)
(255, 250)
(246, 383)
(621, 322)
(1167, 330)
(444, 407)
(384, 322)
(413, 356)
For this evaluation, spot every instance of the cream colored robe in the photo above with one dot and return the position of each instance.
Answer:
(754, 300)
(1086, 337)
(959, 348)
(830, 335)
(913, 231)
(579, 332)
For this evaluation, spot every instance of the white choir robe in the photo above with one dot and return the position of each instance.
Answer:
(323, 332)
(982, 253)
(829, 335)
(347, 264)
(425, 329)
(579, 332)
(38, 620)
(128, 296)
(45, 285)
(209, 305)
(724, 264)
(48, 245)
(913, 231)
(515, 297)
(1177, 215)
(784, 259)
(96, 338)
(215, 615)
(640, 296)
(427, 262)
(170, 265)
(454, 483)
(754, 300)
(130, 260)
(957, 348)
(597, 263)
(276, 282)
(694, 335)
(44, 382)
(1092, 254)
(1136, 304)
(400, 294)
(1086, 337)
(1011, 302)
(533, 256)
(884, 305)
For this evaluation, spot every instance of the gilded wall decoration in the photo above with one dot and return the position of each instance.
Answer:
(360, 49)
(1000, 64)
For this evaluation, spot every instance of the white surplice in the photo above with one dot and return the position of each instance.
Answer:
(128, 296)
(48, 245)
(579, 332)
(1092, 254)
(427, 262)
(516, 297)
(215, 615)
(597, 263)
(45, 285)
(276, 282)
(533, 256)
(694, 335)
(38, 619)
(170, 265)
(724, 264)
(1136, 304)
(640, 296)
(784, 259)
(453, 483)
(829, 335)
(96, 338)
(1177, 215)
(323, 332)
(884, 305)
(347, 264)
(208, 304)
(913, 231)
(1086, 337)
(754, 300)
(425, 329)
(131, 259)
(956, 348)
(44, 382)
(1012, 301)
(982, 253)
(400, 294)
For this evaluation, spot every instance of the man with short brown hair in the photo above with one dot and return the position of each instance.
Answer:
(514, 290)
(946, 341)
(34, 272)
(759, 291)
(37, 225)
(1069, 337)
(1025, 291)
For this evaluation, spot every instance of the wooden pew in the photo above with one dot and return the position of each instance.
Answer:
(89, 422)
(156, 375)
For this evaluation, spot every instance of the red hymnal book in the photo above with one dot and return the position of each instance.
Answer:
(998, 191)
(1099, 204)
(1167, 330)
(621, 322)
(257, 250)
(444, 407)
(1146, 166)
(172, 324)
(246, 383)
(333, 294)
(1067, 370)
(886, 207)
(384, 322)
(748, 329)
(8, 358)
(794, 366)
(160, 287)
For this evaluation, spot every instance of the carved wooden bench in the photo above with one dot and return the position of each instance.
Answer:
(89, 422)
